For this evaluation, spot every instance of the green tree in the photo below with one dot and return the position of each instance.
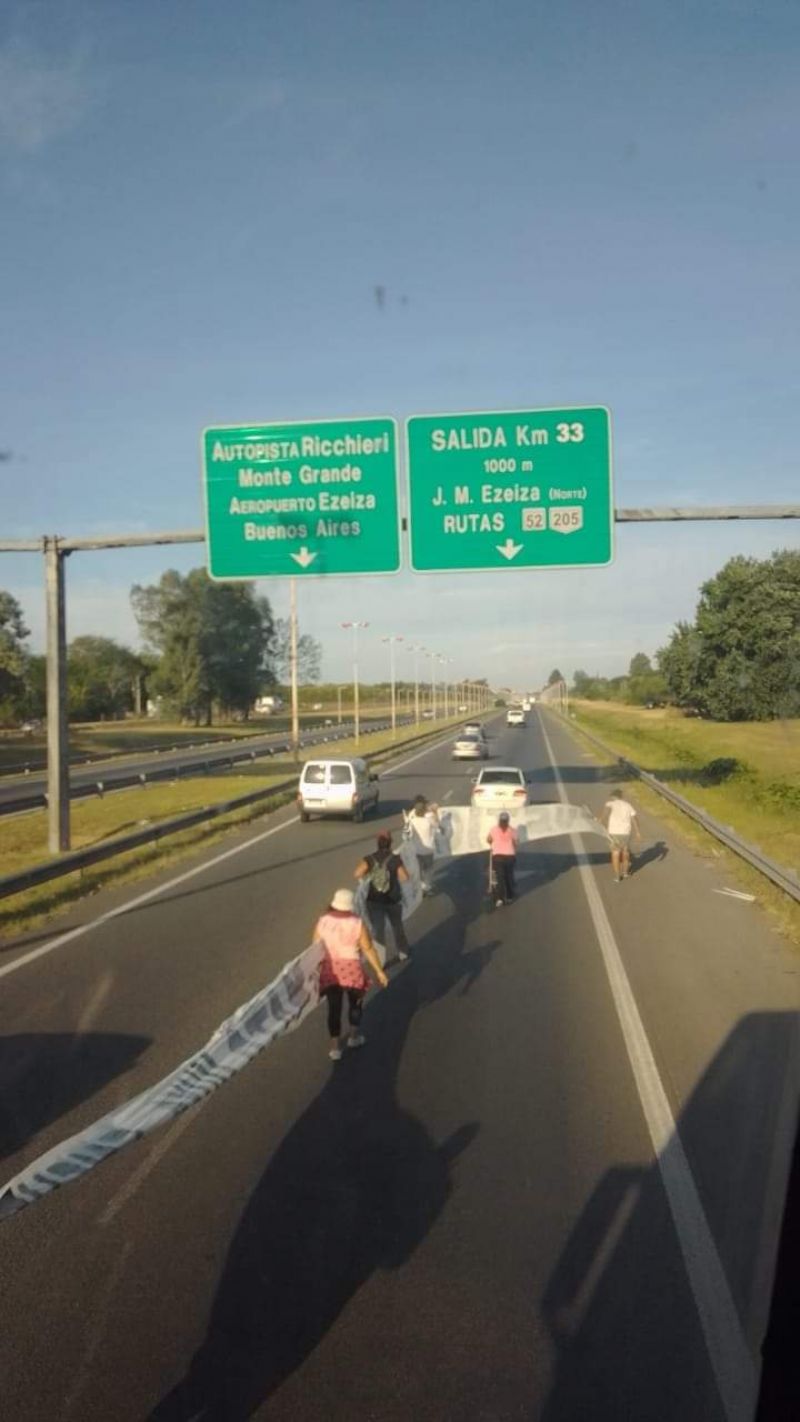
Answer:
(34, 699)
(213, 641)
(309, 654)
(639, 665)
(100, 678)
(13, 657)
(554, 677)
(741, 658)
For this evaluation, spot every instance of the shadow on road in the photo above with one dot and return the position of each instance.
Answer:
(619, 1305)
(43, 1075)
(354, 1187)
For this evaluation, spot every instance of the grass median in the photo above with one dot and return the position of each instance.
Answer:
(115, 738)
(23, 838)
(744, 774)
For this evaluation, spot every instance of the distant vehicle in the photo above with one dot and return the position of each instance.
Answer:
(28, 727)
(474, 728)
(427, 715)
(502, 788)
(336, 787)
(527, 703)
(317, 706)
(515, 716)
(463, 708)
(470, 748)
(267, 705)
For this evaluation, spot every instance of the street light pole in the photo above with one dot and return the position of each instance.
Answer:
(391, 641)
(356, 719)
(416, 651)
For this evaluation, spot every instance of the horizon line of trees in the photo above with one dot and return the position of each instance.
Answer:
(214, 648)
(737, 660)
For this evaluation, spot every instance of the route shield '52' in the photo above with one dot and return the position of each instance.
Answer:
(510, 489)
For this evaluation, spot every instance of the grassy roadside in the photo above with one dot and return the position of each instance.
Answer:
(759, 796)
(23, 840)
(114, 738)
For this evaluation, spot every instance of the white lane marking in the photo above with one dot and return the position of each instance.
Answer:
(736, 894)
(572, 1315)
(730, 1357)
(447, 794)
(151, 1160)
(95, 1002)
(73, 933)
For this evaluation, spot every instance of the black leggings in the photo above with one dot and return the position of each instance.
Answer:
(355, 1002)
(503, 865)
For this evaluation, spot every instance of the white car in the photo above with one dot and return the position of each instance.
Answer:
(504, 787)
(470, 748)
(515, 716)
(474, 728)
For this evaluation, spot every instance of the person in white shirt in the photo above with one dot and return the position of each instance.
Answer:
(422, 822)
(620, 819)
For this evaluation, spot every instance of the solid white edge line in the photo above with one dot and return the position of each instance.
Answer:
(63, 938)
(732, 1363)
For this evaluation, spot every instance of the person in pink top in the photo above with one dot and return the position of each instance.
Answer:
(502, 841)
(345, 937)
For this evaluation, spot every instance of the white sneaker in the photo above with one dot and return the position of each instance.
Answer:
(335, 1054)
(357, 1040)
(498, 903)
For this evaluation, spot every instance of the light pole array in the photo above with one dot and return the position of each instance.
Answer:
(354, 626)
(391, 641)
(416, 650)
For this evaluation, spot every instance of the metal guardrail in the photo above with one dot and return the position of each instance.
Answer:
(76, 860)
(33, 767)
(177, 769)
(783, 878)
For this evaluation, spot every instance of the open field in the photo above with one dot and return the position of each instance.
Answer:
(23, 840)
(757, 788)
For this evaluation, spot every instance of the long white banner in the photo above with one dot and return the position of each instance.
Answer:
(276, 1009)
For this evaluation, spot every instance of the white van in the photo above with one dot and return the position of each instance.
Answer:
(336, 787)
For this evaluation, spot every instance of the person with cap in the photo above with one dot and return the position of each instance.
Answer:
(345, 938)
(421, 824)
(385, 872)
(502, 841)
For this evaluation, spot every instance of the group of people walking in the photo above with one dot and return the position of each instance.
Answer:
(347, 936)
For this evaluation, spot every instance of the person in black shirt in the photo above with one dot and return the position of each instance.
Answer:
(385, 872)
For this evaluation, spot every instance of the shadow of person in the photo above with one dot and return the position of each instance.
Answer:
(653, 854)
(626, 1301)
(353, 1188)
(45, 1074)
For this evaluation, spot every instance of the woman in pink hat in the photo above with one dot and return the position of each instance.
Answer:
(345, 937)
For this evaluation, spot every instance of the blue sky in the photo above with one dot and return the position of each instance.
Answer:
(566, 205)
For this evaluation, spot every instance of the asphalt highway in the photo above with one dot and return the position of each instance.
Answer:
(18, 793)
(549, 1187)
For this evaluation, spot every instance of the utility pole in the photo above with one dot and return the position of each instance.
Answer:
(58, 837)
(293, 666)
(356, 718)
(391, 641)
(338, 705)
(416, 650)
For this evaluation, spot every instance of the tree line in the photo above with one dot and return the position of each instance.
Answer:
(209, 649)
(737, 660)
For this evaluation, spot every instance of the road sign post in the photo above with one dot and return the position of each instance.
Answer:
(510, 489)
(293, 500)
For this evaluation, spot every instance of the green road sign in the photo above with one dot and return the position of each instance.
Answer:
(289, 499)
(510, 489)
